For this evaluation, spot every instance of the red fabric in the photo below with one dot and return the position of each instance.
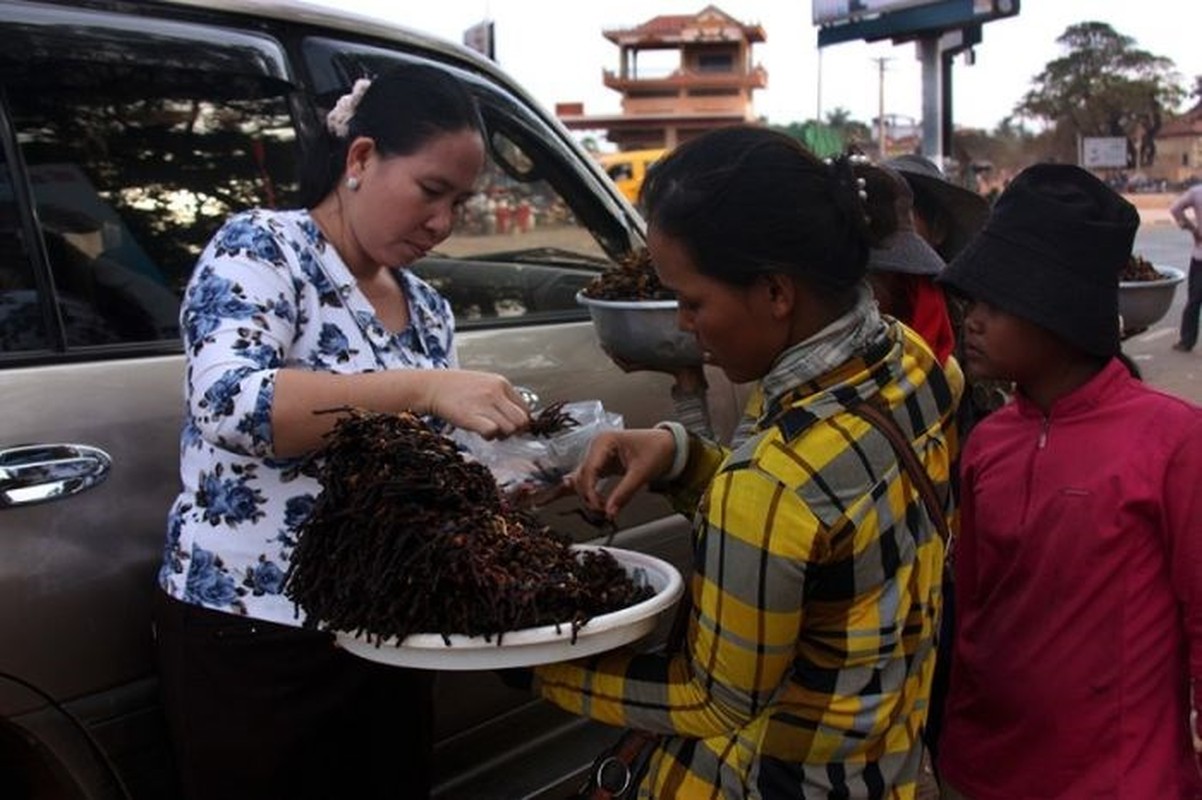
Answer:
(1078, 598)
(929, 315)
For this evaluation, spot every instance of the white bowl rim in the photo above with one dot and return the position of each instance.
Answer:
(585, 300)
(542, 635)
(1171, 275)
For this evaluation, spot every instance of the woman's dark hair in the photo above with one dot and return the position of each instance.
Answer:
(403, 109)
(748, 201)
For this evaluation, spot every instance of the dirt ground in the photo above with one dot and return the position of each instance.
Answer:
(1152, 208)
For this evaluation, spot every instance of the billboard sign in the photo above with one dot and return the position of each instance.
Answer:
(829, 12)
(901, 20)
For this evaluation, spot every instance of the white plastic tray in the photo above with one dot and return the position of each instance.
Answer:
(543, 645)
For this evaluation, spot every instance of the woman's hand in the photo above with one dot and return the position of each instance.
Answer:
(483, 402)
(639, 456)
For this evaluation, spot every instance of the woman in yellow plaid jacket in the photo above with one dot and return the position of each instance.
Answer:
(807, 658)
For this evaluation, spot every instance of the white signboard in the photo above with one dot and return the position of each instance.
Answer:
(1103, 151)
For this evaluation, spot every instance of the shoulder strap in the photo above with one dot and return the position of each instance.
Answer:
(883, 421)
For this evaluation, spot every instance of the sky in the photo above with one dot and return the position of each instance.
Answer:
(556, 50)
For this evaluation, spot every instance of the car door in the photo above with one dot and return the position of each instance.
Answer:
(124, 141)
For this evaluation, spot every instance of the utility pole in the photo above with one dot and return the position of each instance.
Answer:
(818, 112)
(880, 119)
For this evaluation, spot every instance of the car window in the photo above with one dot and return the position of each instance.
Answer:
(533, 235)
(517, 252)
(621, 172)
(22, 320)
(131, 170)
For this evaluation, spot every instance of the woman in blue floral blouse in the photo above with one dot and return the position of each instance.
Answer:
(289, 312)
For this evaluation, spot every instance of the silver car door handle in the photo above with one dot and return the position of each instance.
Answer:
(40, 472)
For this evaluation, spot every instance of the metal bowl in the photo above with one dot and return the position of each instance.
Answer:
(1144, 303)
(642, 332)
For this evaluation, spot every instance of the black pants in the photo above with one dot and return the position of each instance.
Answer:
(262, 711)
(1193, 305)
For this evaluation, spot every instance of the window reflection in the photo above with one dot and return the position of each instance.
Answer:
(22, 319)
(132, 171)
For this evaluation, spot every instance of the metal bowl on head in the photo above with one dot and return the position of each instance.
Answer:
(642, 332)
(1144, 303)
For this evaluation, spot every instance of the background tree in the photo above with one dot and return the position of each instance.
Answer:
(851, 130)
(987, 159)
(829, 138)
(1103, 86)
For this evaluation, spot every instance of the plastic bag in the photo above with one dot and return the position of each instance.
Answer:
(527, 464)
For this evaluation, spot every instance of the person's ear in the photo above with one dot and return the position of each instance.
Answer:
(358, 153)
(780, 292)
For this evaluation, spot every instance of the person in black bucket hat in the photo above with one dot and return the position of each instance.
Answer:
(1051, 252)
(1078, 631)
(947, 215)
(902, 266)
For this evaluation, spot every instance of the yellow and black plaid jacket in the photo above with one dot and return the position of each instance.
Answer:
(815, 599)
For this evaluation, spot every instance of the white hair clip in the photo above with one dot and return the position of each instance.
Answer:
(338, 121)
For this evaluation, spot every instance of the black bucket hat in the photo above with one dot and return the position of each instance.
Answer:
(965, 209)
(1051, 253)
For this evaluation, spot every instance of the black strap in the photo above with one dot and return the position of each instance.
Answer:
(883, 421)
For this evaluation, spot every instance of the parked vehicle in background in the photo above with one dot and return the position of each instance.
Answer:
(627, 169)
(128, 131)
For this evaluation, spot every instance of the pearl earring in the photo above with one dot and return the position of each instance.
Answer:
(352, 183)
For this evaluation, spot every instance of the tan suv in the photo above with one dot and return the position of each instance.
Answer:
(128, 131)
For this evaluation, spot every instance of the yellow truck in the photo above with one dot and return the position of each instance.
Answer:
(628, 168)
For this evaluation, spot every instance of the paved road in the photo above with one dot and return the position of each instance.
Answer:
(1179, 373)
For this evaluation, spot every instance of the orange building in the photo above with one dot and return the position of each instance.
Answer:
(710, 87)
(1179, 148)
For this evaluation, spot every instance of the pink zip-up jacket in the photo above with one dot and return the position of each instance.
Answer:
(1079, 599)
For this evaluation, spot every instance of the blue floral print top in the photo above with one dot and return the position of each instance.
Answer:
(268, 292)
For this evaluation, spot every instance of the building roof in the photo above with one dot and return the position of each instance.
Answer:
(1188, 124)
(710, 24)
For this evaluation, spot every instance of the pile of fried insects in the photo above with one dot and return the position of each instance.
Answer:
(407, 536)
(1139, 268)
(633, 278)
